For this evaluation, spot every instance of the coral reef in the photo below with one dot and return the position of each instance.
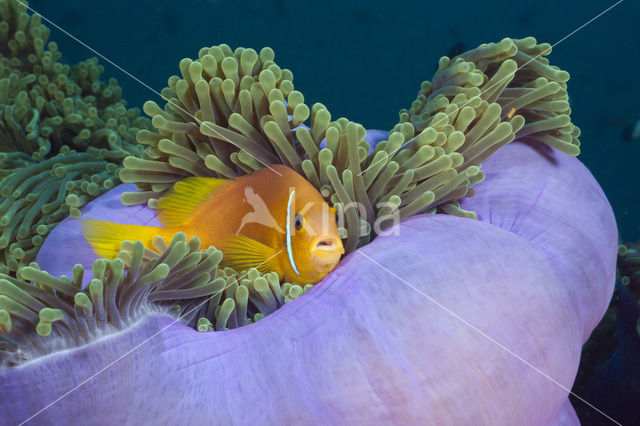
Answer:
(235, 111)
(63, 135)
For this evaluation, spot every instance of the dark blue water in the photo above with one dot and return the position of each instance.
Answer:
(365, 59)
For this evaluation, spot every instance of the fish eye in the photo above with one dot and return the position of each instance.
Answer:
(298, 221)
(337, 218)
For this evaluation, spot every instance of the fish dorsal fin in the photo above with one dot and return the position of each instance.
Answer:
(241, 253)
(178, 206)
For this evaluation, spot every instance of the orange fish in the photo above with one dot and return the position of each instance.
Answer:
(271, 220)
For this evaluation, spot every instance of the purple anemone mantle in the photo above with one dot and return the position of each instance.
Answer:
(452, 321)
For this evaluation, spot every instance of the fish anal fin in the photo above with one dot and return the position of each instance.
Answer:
(105, 237)
(183, 200)
(241, 253)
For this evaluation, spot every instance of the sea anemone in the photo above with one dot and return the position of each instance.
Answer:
(115, 297)
(235, 111)
(444, 320)
(467, 336)
(63, 135)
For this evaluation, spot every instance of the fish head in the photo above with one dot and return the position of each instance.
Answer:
(315, 246)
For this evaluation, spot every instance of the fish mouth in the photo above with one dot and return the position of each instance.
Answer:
(326, 251)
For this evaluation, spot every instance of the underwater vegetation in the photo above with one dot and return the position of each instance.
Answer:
(428, 323)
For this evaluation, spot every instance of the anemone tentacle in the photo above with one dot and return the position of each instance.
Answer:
(235, 111)
(40, 313)
(63, 135)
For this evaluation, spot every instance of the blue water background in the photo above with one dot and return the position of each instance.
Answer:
(365, 59)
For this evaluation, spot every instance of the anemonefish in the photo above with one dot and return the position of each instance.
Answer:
(272, 220)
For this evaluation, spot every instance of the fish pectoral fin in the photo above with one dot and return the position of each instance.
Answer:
(185, 197)
(242, 253)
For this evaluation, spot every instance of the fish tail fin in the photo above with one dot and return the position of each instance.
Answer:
(105, 237)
